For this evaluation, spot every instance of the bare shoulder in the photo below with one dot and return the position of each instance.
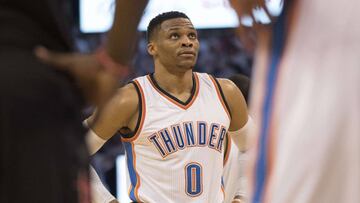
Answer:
(124, 98)
(227, 85)
(236, 102)
(127, 96)
(125, 101)
(117, 112)
(231, 92)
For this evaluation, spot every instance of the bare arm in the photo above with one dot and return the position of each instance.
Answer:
(123, 34)
(236, 102)
(238, 111)
(119, 112)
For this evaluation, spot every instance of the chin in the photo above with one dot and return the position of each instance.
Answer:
(186, 66)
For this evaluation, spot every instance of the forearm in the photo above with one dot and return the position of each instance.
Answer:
(93, 141)
(122, 36)
(241, 136)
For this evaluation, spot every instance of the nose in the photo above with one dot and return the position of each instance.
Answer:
(187, 42)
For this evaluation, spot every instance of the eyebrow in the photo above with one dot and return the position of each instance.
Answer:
(178, 28)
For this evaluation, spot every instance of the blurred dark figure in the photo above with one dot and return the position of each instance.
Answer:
(43, 153)
(243, 83)
(43, 157)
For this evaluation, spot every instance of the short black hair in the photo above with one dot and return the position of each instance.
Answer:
(156, 21)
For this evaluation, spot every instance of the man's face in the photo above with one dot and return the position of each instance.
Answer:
(175, 44)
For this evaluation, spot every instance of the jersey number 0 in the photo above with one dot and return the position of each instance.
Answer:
(193, 179)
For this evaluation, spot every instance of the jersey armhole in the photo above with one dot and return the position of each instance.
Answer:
(227, 148)
(129, 137)
(221, 95)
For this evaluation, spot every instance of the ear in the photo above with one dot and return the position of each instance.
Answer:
(151, 48)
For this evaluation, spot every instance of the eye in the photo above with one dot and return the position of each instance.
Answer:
(192, 36)
(174, 36)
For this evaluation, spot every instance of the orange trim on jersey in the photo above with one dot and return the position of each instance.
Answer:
(138, 182)
(228, 148)
(223, 190)
(142, 116)
(172, 100)
(129, 190)
(220, 97)
(293, 16)
(193, 178)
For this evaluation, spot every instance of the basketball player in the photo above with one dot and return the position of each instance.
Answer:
(306, 99)
(43, 157)
(173, 121)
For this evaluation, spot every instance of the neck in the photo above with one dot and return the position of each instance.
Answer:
(174, 82)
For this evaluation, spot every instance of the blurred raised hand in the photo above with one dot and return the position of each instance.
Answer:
(98, 79)
(250, 21)
(96, 84)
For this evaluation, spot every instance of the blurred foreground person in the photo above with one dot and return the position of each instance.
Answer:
(43, 157)
(306, 100)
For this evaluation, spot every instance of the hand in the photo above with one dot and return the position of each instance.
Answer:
(245, 7)
(247, 37)
(248, 34)
(238, 199)
(96, 84)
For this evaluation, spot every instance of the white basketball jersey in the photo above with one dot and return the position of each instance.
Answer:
(177, 152)
(308, 99)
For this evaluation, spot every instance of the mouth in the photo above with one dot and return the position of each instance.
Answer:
(187, 53)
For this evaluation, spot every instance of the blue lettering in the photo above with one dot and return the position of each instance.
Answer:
(167, 140)
(202, 133)
(189, 132)
(153, 138)
(214, 127)
(178, 136)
